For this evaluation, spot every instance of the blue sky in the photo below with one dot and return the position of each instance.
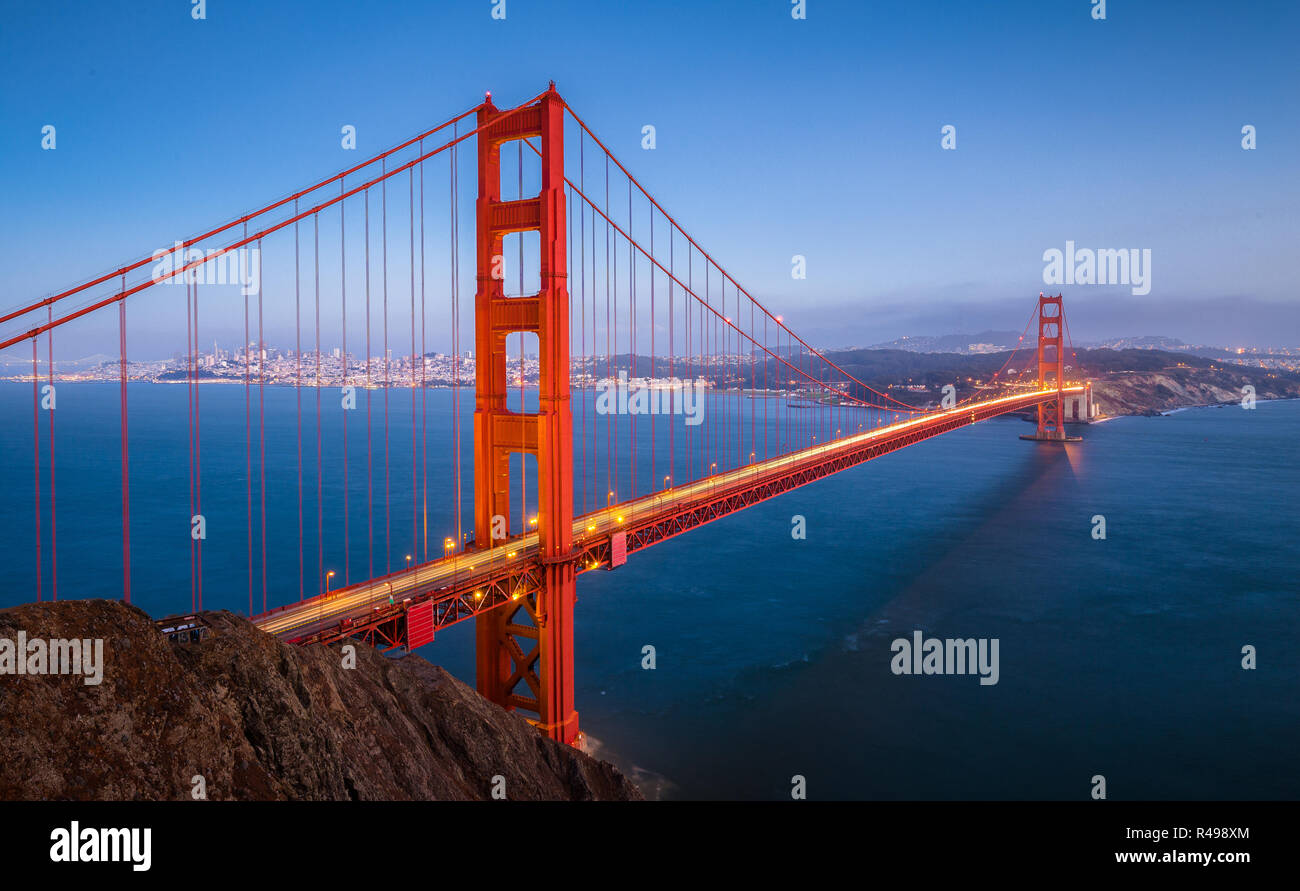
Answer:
(775, 137)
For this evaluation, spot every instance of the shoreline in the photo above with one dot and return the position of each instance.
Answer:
(747, 393)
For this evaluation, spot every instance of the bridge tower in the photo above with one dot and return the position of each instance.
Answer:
(1051, 370)
(525, 651)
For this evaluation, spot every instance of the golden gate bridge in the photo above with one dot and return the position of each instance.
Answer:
(619, 285)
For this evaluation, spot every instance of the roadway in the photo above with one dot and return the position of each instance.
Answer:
(464, 570)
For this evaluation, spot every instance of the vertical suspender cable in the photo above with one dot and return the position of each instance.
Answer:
(297, 390)
(654, 477)
(415, 488)
(523, 458)
(611, 306)
(388, 515)
(261, 426)
(189, 393)
(631, 343)
(248, 448)
(198, 439)
(343, 299)
(595, 461)
(424, 389)
(320, 476)
(582, 303)
(370, 473)
(36, 461)
(126, 475)
(455, 334)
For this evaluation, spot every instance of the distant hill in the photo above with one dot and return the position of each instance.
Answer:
(986, 342)
(964, 344)
(1145, 342)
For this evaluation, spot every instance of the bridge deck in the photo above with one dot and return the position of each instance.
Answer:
(461, 586)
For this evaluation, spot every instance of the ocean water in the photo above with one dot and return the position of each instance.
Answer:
(1118, 657)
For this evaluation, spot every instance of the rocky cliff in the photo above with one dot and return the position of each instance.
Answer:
(257, 719)
(1154, 392)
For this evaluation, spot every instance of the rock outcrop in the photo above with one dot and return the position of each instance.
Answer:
(1155, 392)
(257, 719)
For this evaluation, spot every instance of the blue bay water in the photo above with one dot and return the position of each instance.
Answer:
(1119, 657)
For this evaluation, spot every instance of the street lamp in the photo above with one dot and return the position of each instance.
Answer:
(329, 575)
(666, 481)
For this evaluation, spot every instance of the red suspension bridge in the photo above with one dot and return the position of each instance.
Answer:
(660, 395)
